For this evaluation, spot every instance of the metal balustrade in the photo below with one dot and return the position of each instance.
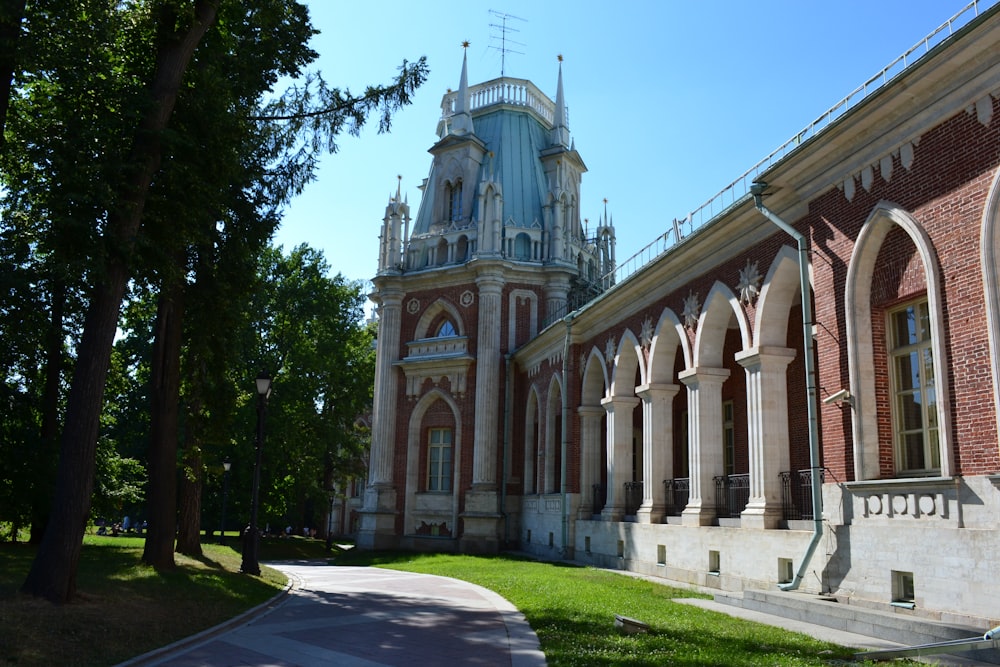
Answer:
(633, 497)
(732, 493)
(796, 494)
(676, 493)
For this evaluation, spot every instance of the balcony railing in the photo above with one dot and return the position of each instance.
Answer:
(676, 493)
(633, 497)
(796, 494)
(732, 493)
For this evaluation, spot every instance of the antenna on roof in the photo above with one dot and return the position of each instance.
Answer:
(503, 29)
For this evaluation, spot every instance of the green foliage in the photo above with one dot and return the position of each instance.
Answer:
(309, 335)
(99, 190)
(118, 483)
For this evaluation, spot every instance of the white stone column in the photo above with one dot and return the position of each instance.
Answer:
(704, 440)
(377, 529)
(767, 430)
(590, 455)
(619, 409)
(481, 518)
(657, 448)
(484, 463)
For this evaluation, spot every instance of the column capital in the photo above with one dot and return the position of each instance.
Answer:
(612, 402)
(769, 357)
(699, 375)
(590, 411)
(650, 392)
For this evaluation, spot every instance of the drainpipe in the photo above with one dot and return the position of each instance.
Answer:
(757, 190)
(568, 320)
(508, 397)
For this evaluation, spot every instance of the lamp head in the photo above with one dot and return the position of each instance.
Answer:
(264, 385)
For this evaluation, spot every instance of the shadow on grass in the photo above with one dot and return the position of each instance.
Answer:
(123, 607)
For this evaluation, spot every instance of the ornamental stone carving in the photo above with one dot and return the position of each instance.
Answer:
(692, 310)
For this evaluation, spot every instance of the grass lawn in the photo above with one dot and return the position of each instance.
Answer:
(572, 611)
(124, 608)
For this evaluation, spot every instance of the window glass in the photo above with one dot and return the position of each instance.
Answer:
(446, 330)
(914, 404)
(439, 460)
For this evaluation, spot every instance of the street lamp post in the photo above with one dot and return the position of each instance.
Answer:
(251, 538)
(226, 465)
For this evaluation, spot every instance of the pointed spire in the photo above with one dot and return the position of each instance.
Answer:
(461, 122)
(560, 129)
(399, 182)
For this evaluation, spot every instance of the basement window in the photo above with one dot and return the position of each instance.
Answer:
(786, 571)
(713, 563)
(902, 589)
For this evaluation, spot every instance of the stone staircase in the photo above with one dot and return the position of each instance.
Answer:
(902, 626)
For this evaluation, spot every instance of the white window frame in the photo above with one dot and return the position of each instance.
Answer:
(439, 460)
(922, 349)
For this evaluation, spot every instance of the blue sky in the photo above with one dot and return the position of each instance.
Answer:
(669, 101)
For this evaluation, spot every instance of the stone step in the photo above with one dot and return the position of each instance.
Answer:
(901, 627)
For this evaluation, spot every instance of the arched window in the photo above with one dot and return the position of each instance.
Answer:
(446, 330)
(522, 246)
(454, 192)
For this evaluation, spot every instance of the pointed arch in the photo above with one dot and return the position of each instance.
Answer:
(668, 337)
(432, 315)
(593, 432)
(596, 384)
(721, 308)
(778, 295)
(860, 344)
(628, 357)
(990, 243)
(532, 439)
(414, 446)
(553, 436)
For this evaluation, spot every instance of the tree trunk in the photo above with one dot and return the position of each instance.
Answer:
(189, 525)
(53, 572)
(49, 434)
(162, 456)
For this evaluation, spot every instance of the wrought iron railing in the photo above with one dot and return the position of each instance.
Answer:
(732, 493)
(633, 497)
(676, 493)
(796, 494)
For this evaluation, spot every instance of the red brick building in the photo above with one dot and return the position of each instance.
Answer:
(687, 416)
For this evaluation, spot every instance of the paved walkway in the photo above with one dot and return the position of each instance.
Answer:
(367, 617)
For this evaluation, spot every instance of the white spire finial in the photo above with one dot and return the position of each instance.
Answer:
(560, 129)
(461, 122)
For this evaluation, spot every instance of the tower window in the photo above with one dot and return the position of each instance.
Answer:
(446, 330)
(454, 192)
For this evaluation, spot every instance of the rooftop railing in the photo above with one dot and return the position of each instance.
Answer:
(739, 189)
(505, 90)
